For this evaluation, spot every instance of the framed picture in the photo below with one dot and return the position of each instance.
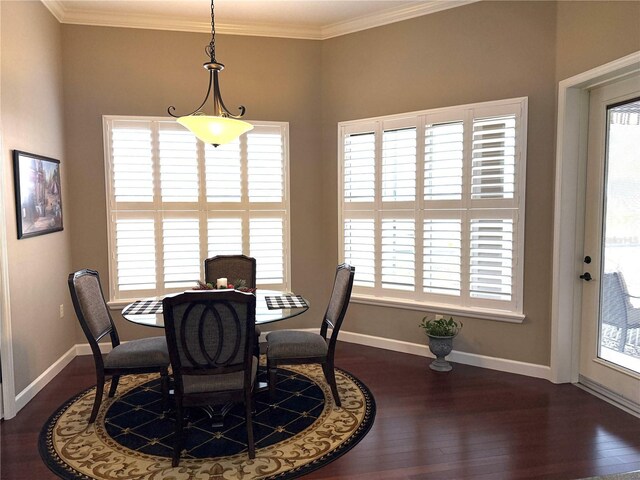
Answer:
(38, 195)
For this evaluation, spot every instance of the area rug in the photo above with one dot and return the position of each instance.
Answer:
(296, 432)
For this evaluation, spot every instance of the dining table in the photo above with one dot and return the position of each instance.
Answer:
(271, 306)
(148, 311)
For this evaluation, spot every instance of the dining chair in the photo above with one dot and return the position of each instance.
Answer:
(233, 268)
(146, 355)
(285, 347)
(209, 335)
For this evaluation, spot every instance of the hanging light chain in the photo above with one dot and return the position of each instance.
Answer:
(211, 48)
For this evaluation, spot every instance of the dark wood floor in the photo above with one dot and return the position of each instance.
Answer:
(469, 423)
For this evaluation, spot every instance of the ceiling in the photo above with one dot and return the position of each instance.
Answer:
(307, 19)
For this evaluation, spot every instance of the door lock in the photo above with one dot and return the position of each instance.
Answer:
(586, 276)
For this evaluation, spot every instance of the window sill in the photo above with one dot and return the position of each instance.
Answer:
(482, 313)
(118, 304)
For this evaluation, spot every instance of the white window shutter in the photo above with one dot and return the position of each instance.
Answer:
(223, 172)
(135, 254)
(359, 167)
(491, 258)
(178, 164)
(443, 157)
(131, 162)
(266, 246)
(398, 254)
(442, 256)
(224, 236)
(493, 157)
(359, 250)
(265, 164)
(399, 165)
(181, 246)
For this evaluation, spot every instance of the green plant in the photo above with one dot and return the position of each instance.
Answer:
(441, 327)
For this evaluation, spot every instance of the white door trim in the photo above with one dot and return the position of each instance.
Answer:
(8, 396)
(568, 232)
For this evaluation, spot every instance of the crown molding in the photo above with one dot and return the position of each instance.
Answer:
(390, 16)
(159, 22)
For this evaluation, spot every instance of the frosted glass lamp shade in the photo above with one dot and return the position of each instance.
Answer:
(215, 130)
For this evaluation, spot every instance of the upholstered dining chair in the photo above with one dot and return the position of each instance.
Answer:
(233, 268)
(210, 338)
(294, 347)
(146, 355)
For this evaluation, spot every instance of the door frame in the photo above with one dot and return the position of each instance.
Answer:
(568, 229)
(8, 408)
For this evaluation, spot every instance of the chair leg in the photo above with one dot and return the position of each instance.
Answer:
(164, 388)
(179, 433)
(329, 374)
(114, 385)
(249, 423)
(98, 399)
(273, 378)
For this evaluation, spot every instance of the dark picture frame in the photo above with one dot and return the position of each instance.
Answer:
(38, 194)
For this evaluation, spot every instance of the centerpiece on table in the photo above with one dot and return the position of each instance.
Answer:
(441, 332)
(223, 284)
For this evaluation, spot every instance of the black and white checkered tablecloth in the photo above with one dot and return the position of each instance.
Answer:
(285, 301)
(143, 307)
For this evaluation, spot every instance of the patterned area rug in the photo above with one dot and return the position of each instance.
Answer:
(297, 431)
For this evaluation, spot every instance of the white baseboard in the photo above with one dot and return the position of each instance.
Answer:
(39, 383)
(85, 348)
(473, 359)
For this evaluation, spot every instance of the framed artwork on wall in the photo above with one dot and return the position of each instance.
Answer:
(38, 194)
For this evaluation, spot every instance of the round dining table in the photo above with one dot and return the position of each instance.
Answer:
(264, 314)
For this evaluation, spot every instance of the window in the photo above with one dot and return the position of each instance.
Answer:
(432, 208)
(174, 201)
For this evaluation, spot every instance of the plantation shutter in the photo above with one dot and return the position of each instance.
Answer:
(491, 258)
(265, 164)
(432, 207)
(174, 201)
(266, 246)
(399, 165)
(442, 256)
(493, 164)
(443, 161)
(135, 254)
(181, 247)
(223, 172)
(359, 250)
(177, 150)
(398, 254)
(359, 167)
(131, 162)
(224, 236)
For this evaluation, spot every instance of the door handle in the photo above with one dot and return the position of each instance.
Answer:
(586, 276)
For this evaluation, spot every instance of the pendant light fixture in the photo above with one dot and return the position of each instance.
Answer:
(221, 127)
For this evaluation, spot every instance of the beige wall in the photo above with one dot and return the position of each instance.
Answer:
(32, 121)
(479, 52)
(110, 71)
(591, 34)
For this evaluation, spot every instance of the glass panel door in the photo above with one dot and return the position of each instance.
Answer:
(610, 325)
(619, 332)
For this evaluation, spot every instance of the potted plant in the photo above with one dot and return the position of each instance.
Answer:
(441, 332)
